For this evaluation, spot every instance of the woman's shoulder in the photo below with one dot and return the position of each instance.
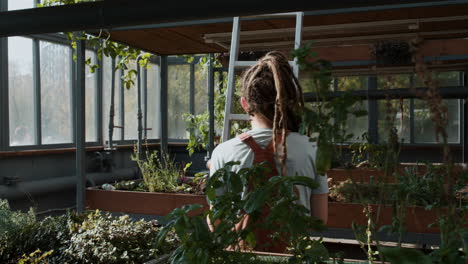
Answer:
(228, 146)
(301, 139)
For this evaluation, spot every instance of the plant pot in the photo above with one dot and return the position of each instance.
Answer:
(149, 203)
(342, 215)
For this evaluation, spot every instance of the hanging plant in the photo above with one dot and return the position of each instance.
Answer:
(391, 53)
(125, 54)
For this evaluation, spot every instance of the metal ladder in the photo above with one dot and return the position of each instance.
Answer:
(235, 64)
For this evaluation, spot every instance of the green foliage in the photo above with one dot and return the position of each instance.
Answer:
(199, 245)
(35, 258)
(404, 256)
(73, 238)
(325, 121)
(159, 175)
(102, 238)
(412, 187)
(368, 154)
(14, 228)
(198, 125)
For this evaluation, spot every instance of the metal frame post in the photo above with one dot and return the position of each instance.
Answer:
(37, 92)
(464, 118)
(4, 124)
(80, 127)
(122, 106)
(144, 80)
(139, 111)
(99, 102)
(73, 86)
(373, 129)
(231, 76)
(163, 84)
(298, 40)
(192, 89)
(112, 106)
(211, 101)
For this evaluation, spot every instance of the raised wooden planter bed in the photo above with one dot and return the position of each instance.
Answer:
(341, 215)
(148, 203)
(365, 174)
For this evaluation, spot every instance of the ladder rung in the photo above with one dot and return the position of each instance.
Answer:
(239, 117)
(245, 64)
(277, 15)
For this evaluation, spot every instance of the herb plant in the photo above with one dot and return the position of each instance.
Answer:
(159, 174)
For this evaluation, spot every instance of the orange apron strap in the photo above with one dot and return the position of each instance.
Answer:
(248, 139)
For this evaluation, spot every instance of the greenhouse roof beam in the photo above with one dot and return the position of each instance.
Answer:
(112, 13)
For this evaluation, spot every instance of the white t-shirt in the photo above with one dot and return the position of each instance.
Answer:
(300, 161)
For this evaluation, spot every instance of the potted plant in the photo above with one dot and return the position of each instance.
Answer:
(163, 187)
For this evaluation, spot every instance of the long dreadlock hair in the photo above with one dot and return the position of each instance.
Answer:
(273, 91)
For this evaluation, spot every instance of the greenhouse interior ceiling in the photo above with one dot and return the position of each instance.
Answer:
(138, 131)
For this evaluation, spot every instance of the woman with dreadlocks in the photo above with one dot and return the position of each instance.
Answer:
(273, 98)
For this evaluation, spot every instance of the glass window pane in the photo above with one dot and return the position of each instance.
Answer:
(56, 115)
(445, 79)
(178, 100)
(307, 82)
(397, 111)
(91, 102)
(424, 126)
(448, 78)
(20, 4)
(106, 82)
(352, 83)
(153, 101)
(131, 107)
(21, 91)
(357, 125)
(201, 89)
(393, 81)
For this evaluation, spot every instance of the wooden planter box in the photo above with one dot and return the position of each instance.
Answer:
(341, 215)
(148, 203)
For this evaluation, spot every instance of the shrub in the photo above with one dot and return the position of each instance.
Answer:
(72, 238)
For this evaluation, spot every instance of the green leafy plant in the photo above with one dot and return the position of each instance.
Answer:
(325, 120)
(159, 174)
(198, 124)
(199, 245)
(94, 237)
(198, 127)
(367, 154)
(102, 238)
(37, 257)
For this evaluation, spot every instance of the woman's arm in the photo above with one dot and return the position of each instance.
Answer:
(319, 205)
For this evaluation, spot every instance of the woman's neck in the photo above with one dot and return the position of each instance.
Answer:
(260, 122)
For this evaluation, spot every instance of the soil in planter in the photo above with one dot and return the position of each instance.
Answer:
(185, 185)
